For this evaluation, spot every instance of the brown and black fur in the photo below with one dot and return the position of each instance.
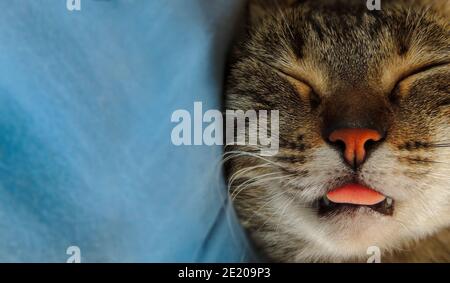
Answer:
(324, 64)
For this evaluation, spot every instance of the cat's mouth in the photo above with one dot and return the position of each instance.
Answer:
(353, 198)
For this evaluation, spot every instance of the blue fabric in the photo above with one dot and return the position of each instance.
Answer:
(86, 157)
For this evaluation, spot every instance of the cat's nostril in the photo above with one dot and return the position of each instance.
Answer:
(355, 143)
(340, 145)
(370, 144)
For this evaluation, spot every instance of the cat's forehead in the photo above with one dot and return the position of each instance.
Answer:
(354, 45)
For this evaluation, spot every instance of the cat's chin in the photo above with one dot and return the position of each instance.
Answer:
(345, 232)
(348, 233)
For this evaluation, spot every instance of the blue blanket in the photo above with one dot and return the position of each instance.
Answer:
(86, 158)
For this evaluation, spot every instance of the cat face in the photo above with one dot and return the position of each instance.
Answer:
(364, 107)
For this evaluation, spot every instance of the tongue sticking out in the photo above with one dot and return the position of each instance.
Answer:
(355, 194)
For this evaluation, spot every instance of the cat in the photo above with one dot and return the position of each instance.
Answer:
(364, 130)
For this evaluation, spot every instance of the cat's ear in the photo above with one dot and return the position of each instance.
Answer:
(259, 9)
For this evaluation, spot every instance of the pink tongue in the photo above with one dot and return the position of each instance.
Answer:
(355, 194)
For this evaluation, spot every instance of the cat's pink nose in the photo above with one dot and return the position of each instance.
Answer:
(355, 141)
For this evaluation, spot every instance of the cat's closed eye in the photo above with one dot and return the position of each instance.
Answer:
(404, 83)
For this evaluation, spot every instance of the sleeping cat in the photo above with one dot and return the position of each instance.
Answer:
(364, 130)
